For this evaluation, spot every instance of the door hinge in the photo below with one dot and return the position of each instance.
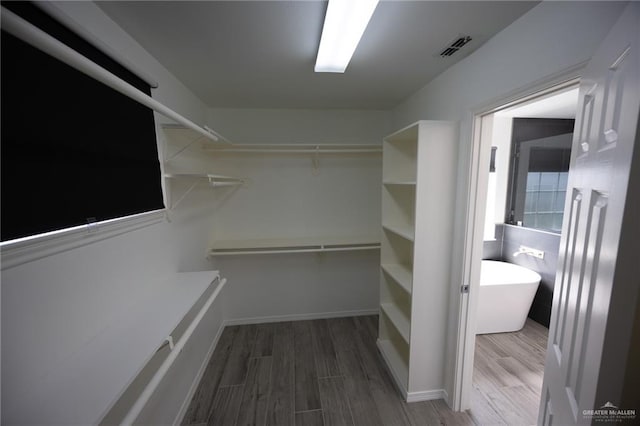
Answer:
(464, 289)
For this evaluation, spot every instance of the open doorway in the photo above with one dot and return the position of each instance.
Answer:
(527, 146)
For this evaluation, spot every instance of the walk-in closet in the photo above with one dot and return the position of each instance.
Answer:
(268, 212)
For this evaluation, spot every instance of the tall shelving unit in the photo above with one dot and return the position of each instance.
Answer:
(416, 163)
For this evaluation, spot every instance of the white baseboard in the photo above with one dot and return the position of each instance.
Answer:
(300, 317)
(196, 381)
(427, 395)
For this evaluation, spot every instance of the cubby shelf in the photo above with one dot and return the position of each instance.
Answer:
(398, 319)
(401, 274)
(395, 361)
(406, 233)
(293, 245)
(416, 174)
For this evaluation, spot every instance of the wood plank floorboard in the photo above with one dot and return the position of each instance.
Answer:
(226, 406)
(325, 354)
(200, 408)
(307, 394)
(281, 406)
(334, 406)
(507, 376)
(264, 340)
(329, 372)
(236, 368)
(257, 389)
(309, 418)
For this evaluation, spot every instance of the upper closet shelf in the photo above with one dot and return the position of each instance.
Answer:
(294, 245)
(297, 148)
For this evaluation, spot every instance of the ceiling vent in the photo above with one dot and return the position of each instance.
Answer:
(455, 45)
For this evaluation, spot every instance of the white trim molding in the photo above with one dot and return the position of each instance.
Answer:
(301, 317)
(427, 395)
(28, 249)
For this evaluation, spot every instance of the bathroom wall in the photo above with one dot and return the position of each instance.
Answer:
(514, 237)
(508, 239)
(492, 249)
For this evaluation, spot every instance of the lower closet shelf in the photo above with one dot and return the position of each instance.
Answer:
(396, 363)
(293, 245)
(400, 322)
(98, 372)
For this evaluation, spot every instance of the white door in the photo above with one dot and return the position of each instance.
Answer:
(594, 298)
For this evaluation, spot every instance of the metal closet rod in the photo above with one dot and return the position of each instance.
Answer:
(18, 27)
(59, 15)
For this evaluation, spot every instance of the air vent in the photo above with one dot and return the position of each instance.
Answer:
(455, 45)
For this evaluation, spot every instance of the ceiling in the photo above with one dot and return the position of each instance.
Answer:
(261, 54)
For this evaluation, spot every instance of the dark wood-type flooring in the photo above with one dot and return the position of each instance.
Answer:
(329, 372)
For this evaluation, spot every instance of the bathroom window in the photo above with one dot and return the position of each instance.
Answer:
(544, 200)
(541, 153)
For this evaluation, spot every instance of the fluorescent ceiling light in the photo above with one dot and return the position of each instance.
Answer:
(344, 25)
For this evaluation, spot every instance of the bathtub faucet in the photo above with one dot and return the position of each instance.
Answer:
(529, 252)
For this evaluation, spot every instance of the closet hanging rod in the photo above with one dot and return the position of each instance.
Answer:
(148, 391)
(59, 15)
(37, 38)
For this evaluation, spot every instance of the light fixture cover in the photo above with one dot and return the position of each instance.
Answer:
(344, 25)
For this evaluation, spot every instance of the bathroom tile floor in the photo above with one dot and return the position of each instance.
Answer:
(507, 376)
(329, 372)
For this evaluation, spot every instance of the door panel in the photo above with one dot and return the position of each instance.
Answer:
(602, 155)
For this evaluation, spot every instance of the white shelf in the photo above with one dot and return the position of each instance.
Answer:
(122, 349)
(406, 233)
(399, 182)
(401, 274)
(396, 364)
(398, 319)
(298, 149)
(293, 245)
(417, 167)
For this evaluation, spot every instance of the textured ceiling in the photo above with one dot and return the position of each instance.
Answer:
(261, 54)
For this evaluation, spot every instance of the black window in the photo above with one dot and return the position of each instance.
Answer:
(73, 150)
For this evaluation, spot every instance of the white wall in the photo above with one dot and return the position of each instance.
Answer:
(52, 306)
(287, 198)
(549, 39)
(300, 125)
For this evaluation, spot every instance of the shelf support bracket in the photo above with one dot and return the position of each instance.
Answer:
(184, 148)
(184, 194)
(316, 161)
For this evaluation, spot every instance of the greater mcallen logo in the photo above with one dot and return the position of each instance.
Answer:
(609, 412)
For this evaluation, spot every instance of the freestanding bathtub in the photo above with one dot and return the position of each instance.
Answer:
(506, 293)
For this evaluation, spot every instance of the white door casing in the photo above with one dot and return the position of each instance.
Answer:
(593, 270)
